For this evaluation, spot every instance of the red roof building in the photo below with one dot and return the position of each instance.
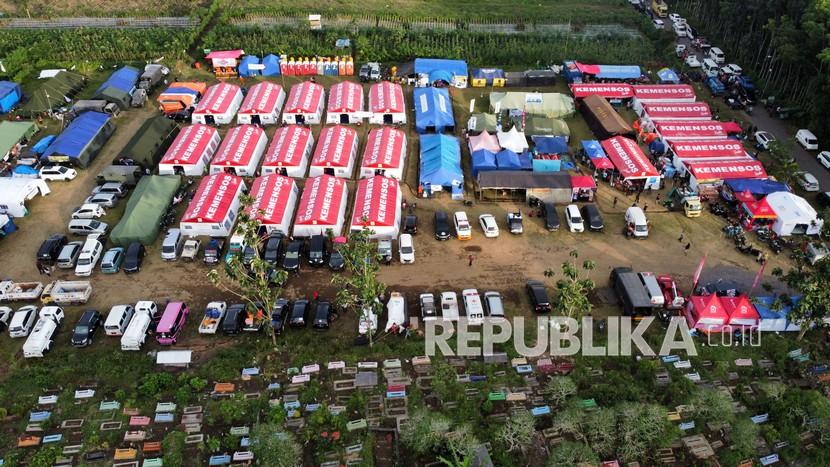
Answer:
(190, 152)
(214, 207)
(384, 153)
(275, 198)
(240, 151)
(262, 105)
(289, 152)
(377, 205)
(322, 207)
(335, 152)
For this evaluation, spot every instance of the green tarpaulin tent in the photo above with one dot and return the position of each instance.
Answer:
(150, 141)
(546, 127)
(146, 207)
(481, 122)
(54, 92)
(547, 104)
(12, 133)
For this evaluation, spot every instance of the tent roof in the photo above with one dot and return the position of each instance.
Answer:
(430, 65)
(239, 146)
(604, 90)
(225, 54)
(213, 198)
(724, 170)
(693, 110)
(8, 87)
(603, 118)
(288, 146)
(345, 97)
(548, 104)
(334, 147)
(487, 73)
(484, 140)
(756, 186)
(386, 97)
(520, 179)
(304, 98)
(593, 148)
(440, 160)
(759, 209)
(583, 181)
(271, 65)
(610, 71)
(483, 159)
(663, 92)
(146, 142)
(512, 139)
(189, 145)
(433, 108)
(740, 310)
(385, 148)
(546, 126)
(705, 148)
(676, 130)
(667, 75)
(378, 200)
(74, 139)
(147, 205)
(123, 79)
(763, 306)
(508, 160)
(54, 92)
(628, 158)
(218, 99)
(550, 144)
(271, 194)
(709, 309)
(262, 98)
(790, 208)
(12, 132)
(481, 122)
(245, 65)
(320, 203)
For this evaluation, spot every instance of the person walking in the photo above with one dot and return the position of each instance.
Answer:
(615, 202)
(686, 249)
(470, 258)
(680, 238)
(645, 208)
(637, 198)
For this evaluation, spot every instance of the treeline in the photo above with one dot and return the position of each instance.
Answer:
(785, 44)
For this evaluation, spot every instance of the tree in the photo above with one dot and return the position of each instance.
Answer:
(743, 435)
(711, 404)
(811, 284)
(173, 448)
(574, 287)
(572, 454)
(570, 421)
(601, 430)
(560, 388)
(256, 283)
(425, 432)
(640, 426)
(517, 433)
(360, 288)
(272, 446)
(784, 166)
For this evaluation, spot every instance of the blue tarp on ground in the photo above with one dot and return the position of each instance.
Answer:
(123, 79)
(74, 141)
(40, 147)
(756, 187)
(440, 68)
(508, 160)
(272, 65)
(592, 148)
(10, 95)
(618, 72)
(547, 165)
(245, 66)
(433, 110)
(440, 161)
(668, 76)
(483, 160)
(550, 144)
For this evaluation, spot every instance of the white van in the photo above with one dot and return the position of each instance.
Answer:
(172, 244)
(22, 321)
(118, 319)
(679, 29)
(449, 306)
(717, 55)
(40, 340)
(807, 139)
(462, 226)
(655, 294)
(90, 254)
(636, 224)
(136, 332)
(710, 67)
(473, 307)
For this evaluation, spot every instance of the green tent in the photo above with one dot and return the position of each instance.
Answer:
(150, 141)
(544, 104)
(546, 127)
(54, 92)
(145, 209)
(481, 122)
(12, 133)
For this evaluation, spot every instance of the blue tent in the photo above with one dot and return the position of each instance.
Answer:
(668, 76)
(433, 110)
(487, 75)
(618, 72)
(526, 160)
(245, 66)
(593, 149)
(550, 144)
(775, 320)
(657, 147)
(81, 140)
(440, 161)
(40, 147)
(508, 160)
(10, 95)
(25, 171)
(440, 69)
(118, 88)
(272, 65)
(547, 165)
(754, 186)
(483, 160)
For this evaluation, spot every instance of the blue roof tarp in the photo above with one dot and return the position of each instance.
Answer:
(483, 160)
(755, 186)
(526, 160)
(667, 75)
(440, 161)
(245, 66)
(180, 90)
(433, 110)
(10, 95)
(547, 165)
(593, 149)
(271, 65)
(25, 171)
(657, 147)
(775, 320)
(81, 140)
(440, 68)
(123, 79)
(508, 160)
(40, 147)
(618, 72)
(488, 74)
(550, 144)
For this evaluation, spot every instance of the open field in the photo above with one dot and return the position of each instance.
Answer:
(49, 8)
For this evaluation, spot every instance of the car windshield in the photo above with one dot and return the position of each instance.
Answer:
(315, 254)
(81, 329)
(168, 248)
(292, 254)
(641, 228)
(406, 250)
(576, 220)
(85, 261)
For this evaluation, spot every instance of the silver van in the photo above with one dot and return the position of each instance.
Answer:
(87, 227)
(69, 255)
(710, 67)
(118, 319)
(172, 245)
(652, 288)
(494, 306)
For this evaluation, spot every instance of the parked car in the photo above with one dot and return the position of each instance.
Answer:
(249, 253)
(551, 217)
(190, 249)
(88, 211)
(273, 249)
(675, 18)
(90, 254)
(107, 200)
(299, 314)
(279, 315)
(428, 310)
(538, 296)
(489, 225)
(463, 231)
(118, 319)
(591, 215)
(806, 139)
(22, 321)
(515, 222)
(184, 115)
(87, 227)
(116, 188)
(807, 181)
(293, 254)
(111, 262)
(410, 224)
(493, 306)
(406, 250)
(763, 139)
(442, 226)
(823, 199)
(396, 313)
(473, 308)
(385, 250)
(57, 173)
(172, 244)
(234, 318)
(318, 252)
(322, 316)
(133, 257)
(336, 261)
(50, 249)
(574, 219)
(213, 251)
(449, 306)
(693, 62)
(824, 159)
(5, 316)
(85, 329)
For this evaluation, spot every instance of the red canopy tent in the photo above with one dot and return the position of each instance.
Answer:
(741, 311)
(725, 170)
(606, 90)
(275, 197)
(754, 209)
(693, 149)
(289, 152)
(656, 93)
(628, 158)
(678, 111)
(705, 313)
(583, 187)
(732, 128)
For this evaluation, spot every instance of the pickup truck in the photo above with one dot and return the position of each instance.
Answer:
(66, 292)
(41, 337)
(17, 291)
(191, 249)
(214, 312)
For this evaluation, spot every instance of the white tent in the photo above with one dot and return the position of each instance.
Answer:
(214, 207)
(305, 104)
(345, 103)
(262, 105)
(385, 153)
(377, 205)
(322, 206)
(335, 153)
(794, 215)
(289, 152)
(14, 192)
(219, 105)
(240, 151)
(513, 140)
(386, 102)
(190, 151)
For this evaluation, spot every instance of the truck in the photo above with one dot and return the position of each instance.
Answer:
(41, 337)
(95, 105)
(214, 312)
(11, 291)
(687, 199)
(146, 312)
(66, 293)
(660, 8)
(126, 174)
(191, 249)
(369, 72)
(153, 76)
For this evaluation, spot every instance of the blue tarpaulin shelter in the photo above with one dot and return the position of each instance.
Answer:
(657, 147)
(755, 186)
(118, 88)
(25, 171)
(668, 76)
(271, 65)
(508, 160)
(618, 72)
(440, 161)
(592, 148)
(483, 160)
(81, 141)
(526, 160)
(547, 165)
(775, 320)
(550, 144)
(440, 69)
(40, 147)
(433, 110)
(245, 66)
(10, 95)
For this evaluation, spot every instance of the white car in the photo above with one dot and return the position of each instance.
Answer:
(824, 159)
(675, 18)
(90, 254)
(732, 69)
(807, 139)
(763, 139)
(658, 23)
(488, 225)
(679, 49)
(574, 219)
(807, 181)
(406, 250)
(462, 226)
(57, 172)
(449, 306)
(89, 211)
(22, 321)
(104, 199)
(693, 62)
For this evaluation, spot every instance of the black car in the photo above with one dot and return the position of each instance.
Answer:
(181, 115)
(410, 224)
(213, 251)
(85, 329)
(248, 255)
(133, 258)
(336, 261)
(592, 217)
(538, 296)
(318, 252)
(279, 315)
(322, 316)
(551, 217)
(50, 249)
(273, 249)
(234, 318)
(442, 226)
(298, 314)
(291, 261)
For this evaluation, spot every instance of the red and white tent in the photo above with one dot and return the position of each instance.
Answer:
(275, 198)
(703, 149)
(385, 153)
(377, 205)
(386, 102)
(214, 207)
(335, 152)
(219, 105)
(674, 130)
(240, 151)
(190, 151)
(322, 206)
(289, 152)
(679, 111)
(740, 310)
(663, 93)
(262, 105)
(705, 313)
(629, 160)
(345, 103)
(716, 171)
(305, 104)
(606, 90)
